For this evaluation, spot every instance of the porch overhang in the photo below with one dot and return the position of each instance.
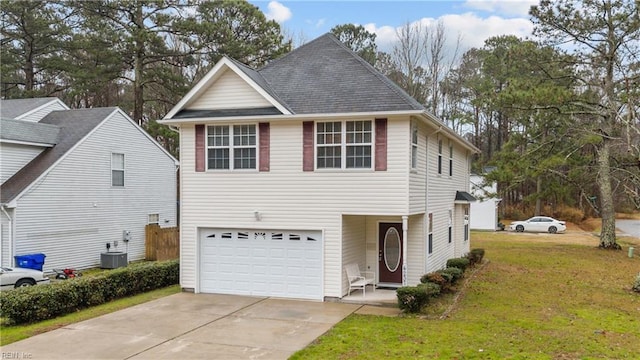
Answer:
(463, 197)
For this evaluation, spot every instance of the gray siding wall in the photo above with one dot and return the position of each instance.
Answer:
(37, 115)
(74, 211)
(5, 243)
(14, 157)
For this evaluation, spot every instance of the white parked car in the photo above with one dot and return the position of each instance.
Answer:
(539, 224)
(11, 278)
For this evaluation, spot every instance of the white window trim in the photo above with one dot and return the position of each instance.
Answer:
(450, 159)
(231, 147)
(151, 222)
(429, 233)
(414, 146)
(439, 164)
(123, 169)
(450, 229)
(343, 147)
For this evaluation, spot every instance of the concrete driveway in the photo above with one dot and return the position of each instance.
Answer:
(190, 326)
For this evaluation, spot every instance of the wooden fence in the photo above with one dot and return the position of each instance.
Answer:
(161, 243)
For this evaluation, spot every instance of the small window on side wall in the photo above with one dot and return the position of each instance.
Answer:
(154, 219)
(117, 169)
(430, 234)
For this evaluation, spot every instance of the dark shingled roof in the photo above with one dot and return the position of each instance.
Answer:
(324, 76)
(12, 108)
(258, 79)
(74, 125)
(27, 131)
(464, 196)
(190, 114)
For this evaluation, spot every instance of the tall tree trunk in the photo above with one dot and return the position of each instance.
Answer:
(608, 232)
(538, 198)
(138, 85)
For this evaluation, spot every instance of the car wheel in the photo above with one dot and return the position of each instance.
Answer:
(553, 229)
(519, 228)
(25, 282)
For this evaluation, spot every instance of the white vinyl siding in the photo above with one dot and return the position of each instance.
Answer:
(354, 246)
(73, 211)
(14, 157)
(229, 92)
(287, 197)
(38, 114)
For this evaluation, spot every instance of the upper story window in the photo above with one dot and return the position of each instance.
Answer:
(450, 159)
(414, 146)
(231, 147)
(439, 156)
(344, 145)
(117, 169)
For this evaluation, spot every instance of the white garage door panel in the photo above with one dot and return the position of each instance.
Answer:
(261, 262)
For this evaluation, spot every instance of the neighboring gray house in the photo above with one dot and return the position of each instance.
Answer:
(74, 180)
(313, 162)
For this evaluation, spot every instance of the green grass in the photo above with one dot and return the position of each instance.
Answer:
(9, 334)
(533, 300)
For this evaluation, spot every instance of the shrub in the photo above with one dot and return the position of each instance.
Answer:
(569, 214)
(413, 298)
(437, 278)
(460, 263)
(43, 302)
(636, 284)
(455, 273)
(475, 256)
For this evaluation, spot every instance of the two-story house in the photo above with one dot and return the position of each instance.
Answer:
(315, 161)
(74, 181)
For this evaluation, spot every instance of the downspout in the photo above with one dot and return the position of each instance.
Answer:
(10, 235)
(405, 233)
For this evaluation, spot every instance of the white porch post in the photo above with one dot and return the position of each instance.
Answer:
(405, 231)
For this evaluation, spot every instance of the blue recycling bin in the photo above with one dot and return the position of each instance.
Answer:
(30, 261)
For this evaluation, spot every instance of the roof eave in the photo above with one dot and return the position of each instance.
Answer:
(288, 117)
(29, 143)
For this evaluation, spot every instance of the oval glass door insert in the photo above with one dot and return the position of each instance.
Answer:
(392, 249)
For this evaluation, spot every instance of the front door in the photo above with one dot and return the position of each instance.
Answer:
(390, 253)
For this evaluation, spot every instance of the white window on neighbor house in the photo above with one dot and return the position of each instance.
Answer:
(231, 147)
(450, 159)
(344, 145)
(154, 219)
(450, 226)
(117, 169)
(439, 156)
(430, 234)
(414, 146)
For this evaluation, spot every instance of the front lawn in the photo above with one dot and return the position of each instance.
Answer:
(539, 297)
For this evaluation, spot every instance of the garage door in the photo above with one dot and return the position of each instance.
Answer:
(261, 263)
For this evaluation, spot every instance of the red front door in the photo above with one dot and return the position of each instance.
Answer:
(390, 253)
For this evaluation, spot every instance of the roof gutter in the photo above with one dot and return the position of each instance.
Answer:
(285, 117)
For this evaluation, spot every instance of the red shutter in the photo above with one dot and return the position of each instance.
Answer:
(263, 129)
(381, 144)
(307, 146)
(200, 152)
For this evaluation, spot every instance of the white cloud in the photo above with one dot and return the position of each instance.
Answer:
(278, 12)
(505, 7)
(473, 30)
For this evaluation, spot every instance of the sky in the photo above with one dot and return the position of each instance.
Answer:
(473, 20)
